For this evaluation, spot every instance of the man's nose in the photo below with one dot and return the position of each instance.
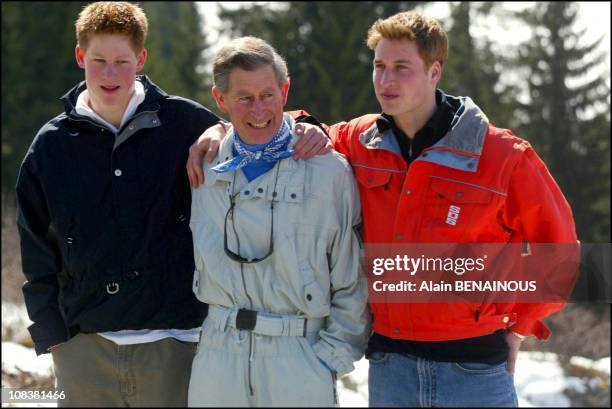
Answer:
(386, 78)
(259, 108)
(110, 70)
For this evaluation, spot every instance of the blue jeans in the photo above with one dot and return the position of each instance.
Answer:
(403, 380)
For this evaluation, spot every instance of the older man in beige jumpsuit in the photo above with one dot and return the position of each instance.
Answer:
(276, 254)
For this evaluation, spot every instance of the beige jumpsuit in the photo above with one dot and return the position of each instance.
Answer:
(309, 295)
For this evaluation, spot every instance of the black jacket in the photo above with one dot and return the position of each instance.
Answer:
(104, 221)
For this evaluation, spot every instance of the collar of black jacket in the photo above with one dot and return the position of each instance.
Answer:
(153, 94)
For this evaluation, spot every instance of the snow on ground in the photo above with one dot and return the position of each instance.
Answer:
(539, 379)
(359, 377)
(602, 365)
(17, 358)
(15, 321)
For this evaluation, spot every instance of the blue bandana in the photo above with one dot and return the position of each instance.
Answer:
(273, 151)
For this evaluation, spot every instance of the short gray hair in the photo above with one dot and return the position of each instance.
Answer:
(247, 53)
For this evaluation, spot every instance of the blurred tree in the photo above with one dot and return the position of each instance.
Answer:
(324, 46)
(566, 123)
(37, 68)
(472, 68)
(176, 44)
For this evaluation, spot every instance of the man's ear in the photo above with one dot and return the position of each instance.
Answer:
(219, 99)
(79, 55)
(435, 72)
(285, 91)
(141, 58)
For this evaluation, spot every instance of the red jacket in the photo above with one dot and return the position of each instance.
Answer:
(505, 192)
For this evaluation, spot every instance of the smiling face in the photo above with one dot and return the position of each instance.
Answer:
(110, 65)
(403, 86)
(254, 102)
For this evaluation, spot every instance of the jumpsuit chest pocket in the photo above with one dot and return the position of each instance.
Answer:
(306, 267)
(214, 278)
(452, 208)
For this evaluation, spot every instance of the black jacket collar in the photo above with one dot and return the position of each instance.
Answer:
(152, 95)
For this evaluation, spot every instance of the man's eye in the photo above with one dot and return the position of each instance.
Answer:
(122, 62)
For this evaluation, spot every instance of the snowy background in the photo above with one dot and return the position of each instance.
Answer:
(540, 379)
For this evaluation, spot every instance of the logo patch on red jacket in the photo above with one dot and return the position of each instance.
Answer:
(453, 215)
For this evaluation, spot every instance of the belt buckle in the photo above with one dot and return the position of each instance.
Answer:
(112, 288)
(246, 319)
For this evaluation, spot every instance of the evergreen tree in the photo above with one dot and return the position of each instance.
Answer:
(576, 149)
(38, 67)
(176, 44)
(324, 44)
(473, 69)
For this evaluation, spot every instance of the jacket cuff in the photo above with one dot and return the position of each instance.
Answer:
(48, 332)
(327, 354)
(531, 327)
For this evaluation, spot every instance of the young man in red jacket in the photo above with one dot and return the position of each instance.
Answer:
(429, 152)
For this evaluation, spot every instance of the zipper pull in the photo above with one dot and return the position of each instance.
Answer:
(477, 314)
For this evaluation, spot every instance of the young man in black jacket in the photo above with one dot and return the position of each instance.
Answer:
(103, 215)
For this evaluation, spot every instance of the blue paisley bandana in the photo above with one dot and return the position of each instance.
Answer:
(273, 151)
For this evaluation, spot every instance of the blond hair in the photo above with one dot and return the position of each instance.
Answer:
(112, 17)
(247, 53)
(430, 37)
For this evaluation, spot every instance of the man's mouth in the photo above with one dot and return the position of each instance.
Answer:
(388, 96)
(109, 88)
(260, 125)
